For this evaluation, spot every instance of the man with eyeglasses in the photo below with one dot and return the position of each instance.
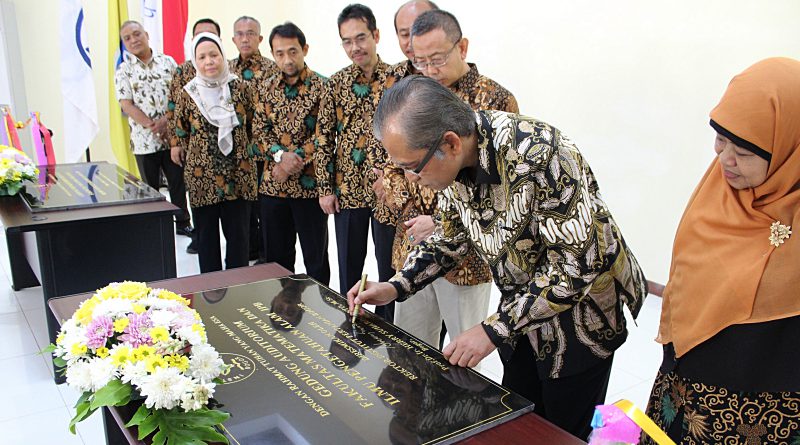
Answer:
(461, 298)
(347, 151)
(519, 192)
(252, 67)
(403, 20)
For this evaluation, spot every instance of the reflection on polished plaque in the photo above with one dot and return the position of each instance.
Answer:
(88, 184)
(301, 373)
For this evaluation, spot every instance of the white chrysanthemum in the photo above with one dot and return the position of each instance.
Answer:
(205, 363)
(162, 317)
(102, 372)
(198, 397)
(156, 303)
(133, 373)
(188, 334)
(164, 388)
(113, 307)
(79, 376)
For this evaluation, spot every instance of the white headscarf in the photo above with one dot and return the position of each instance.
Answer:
(213, 95)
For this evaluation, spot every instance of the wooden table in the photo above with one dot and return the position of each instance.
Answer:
(529, 429)
(80, 250)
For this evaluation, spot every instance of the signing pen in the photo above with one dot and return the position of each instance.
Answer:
(360, 289)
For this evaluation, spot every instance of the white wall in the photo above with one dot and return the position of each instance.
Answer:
(631, 82)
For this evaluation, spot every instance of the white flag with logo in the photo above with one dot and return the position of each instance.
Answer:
(77, 84)
(151, 21)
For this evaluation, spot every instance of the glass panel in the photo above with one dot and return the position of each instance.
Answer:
(303, 374)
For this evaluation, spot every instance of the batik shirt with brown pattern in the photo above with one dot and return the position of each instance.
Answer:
(254, 68)
(346, 147)
(409, 199)
(288, 123)
(181, 76)
(210, 176)
(532, 209)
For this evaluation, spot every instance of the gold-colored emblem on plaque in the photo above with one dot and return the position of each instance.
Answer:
(778, 233)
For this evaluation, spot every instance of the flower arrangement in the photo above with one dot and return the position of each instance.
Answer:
(15, 167)
(130, 342)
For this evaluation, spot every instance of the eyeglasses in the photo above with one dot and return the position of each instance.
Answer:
(250, 34)
(427, 157)
(358, 41)
(436, 61)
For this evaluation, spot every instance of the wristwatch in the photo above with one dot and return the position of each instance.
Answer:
(278, 155)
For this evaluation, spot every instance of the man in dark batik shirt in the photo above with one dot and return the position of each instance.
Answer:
(461, 298)
(519, 192)
(180, 77)
(347, 151)
(288, 197)
(253, 68)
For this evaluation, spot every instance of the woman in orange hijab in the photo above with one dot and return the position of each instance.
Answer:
(730, 320)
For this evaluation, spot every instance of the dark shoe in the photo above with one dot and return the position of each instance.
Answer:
(192, 248)
(185, 231)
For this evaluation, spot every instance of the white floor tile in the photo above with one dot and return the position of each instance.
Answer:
(48, 427)
(91, 430)
(8, 301)
(17, 337)
(27, 387)
(38, 325)
(638, 394)
(30, 298)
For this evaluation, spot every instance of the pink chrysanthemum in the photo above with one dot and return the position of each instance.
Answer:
(136, 333)
(98, 332)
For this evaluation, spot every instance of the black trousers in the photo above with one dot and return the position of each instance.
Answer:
(150, 166)
(567, 402)
(352, 227)
(285, 219)
(235, 219)
(256, 227)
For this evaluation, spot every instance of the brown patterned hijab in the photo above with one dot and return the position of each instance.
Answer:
(725, 270)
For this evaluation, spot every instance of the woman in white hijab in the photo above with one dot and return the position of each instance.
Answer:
(213, 117)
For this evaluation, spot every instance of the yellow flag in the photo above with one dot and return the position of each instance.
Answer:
(118, 125)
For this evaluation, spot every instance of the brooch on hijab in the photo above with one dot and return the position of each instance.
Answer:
(778, 233)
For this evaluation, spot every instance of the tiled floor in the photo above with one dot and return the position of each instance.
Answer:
(36, 411)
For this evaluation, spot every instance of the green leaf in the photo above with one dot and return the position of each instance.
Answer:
(49, 349)
(115, 393)
(139, 416)
(59, 362)
(150, 423)
(82, 411)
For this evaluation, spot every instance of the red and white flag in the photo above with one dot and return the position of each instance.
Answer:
(165, 21)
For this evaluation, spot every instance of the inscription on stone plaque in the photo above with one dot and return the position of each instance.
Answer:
(301, 373)
(90, 184)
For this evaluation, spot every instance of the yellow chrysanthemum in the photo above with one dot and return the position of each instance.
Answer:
(133, 290)
(169, 295)
(78, 349)
(200, 330)
(120, 356)
(178, 361)
(121, 324)
(159, 333)
(84, 314)
(154, 362)
(102, 352)
(139, 309)
(60, 338)
(142, 353)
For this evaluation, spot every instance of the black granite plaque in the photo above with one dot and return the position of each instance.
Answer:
(89, 184)
(303, 374)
